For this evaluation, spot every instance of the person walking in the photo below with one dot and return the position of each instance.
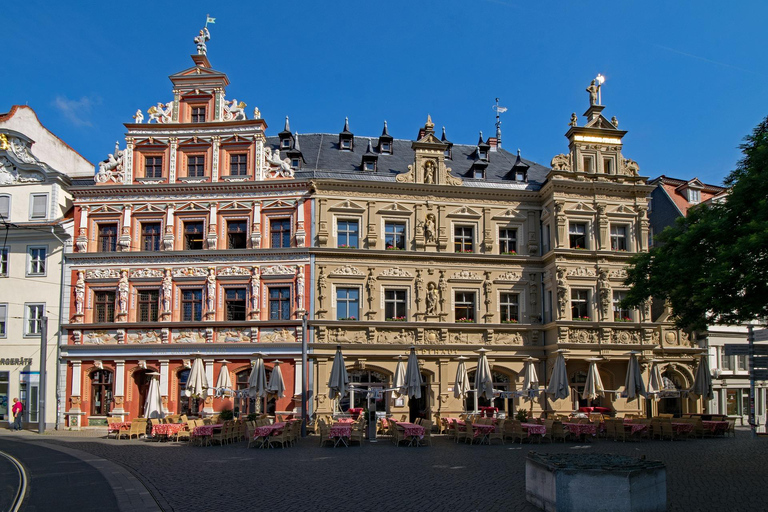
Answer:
(17, 409)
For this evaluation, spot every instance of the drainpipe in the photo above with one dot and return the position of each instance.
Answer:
(58, 341)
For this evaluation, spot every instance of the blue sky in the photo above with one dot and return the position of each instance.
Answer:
(687, 79)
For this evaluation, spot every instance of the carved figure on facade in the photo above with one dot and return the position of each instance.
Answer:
(190, 336)
(322, 284)
(629, 167)
(508, 338)
(200, 41)
(140, 273)
(510, 276)
(4, 144)
(465, 274)
(256, 113)
(300, 288)
(487, 289)
(582, 336)
(111, 169)
(167, 290)
(605, 293)
(80, 293)
(160, 113)
(347, 270)
(574, 120)
(615, 122)
(277, 336)
(255, 288)
(211, 289)
(429, 172)
(105, 273)
(442, 286)
(395, 272)
(100, 338)
(592, 90)
(582, 272)
(234, 111)
(620, 273)
(432, 298)
(625, 337)
(561, 162)
(122, 292)
(148, 336)
(562, 293)
(279, 270)
(190, 272)
(429, 229)
(284, 169)
(138, 117)
(419, 287)
(233, 335)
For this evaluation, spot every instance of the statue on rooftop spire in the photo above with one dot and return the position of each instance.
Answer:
(200, 41)
(592, 90)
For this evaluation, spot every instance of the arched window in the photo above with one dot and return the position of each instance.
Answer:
(188, 405)
(501, 382)
(101, 392)
(248, 405)
(362, 381)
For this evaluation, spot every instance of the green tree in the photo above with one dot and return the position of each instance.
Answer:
(712, 265)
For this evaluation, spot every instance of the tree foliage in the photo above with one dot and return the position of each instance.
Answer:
(712, 266)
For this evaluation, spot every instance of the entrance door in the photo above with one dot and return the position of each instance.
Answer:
(419, 407)
(141, 381)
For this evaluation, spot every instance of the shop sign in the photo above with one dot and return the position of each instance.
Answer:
(17, 361)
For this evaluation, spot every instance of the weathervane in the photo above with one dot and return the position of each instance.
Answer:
(204, 36)
(499, 110)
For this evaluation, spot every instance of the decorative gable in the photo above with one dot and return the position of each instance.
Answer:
(581, 208)
(395, 208)
(235, 205)
(193, 207)
(280, 203)
(510, 214)
(149, 208)
(466, 212)
(347, 206)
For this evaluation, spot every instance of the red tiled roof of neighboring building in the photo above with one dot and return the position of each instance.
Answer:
(675, 190)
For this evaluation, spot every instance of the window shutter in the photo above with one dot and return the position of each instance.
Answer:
(39, 206)
(5, 207)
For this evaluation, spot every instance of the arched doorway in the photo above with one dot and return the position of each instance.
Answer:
(101, 392)
(501, 382)
(419, 407)
(360, 382)
(141, 387)
(188, 405)
(672, 400)
(247, 405)
(578, 382)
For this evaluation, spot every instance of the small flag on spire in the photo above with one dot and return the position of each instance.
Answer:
(208, 19)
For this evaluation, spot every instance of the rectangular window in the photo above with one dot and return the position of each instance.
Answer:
(732, 402)
(510, 307)
(694, 196)
(151, 235)
(346, 144)
(394, 235)
(104, 307)
(3, 319)
(742, 363)
(192, 305)
(235, 304)
(577, 234)
(479, 173)
(3, 261)
(280, 303)
(618, 238)
(620, 314)
(386, 147)
(37, 257)
(198, 114)
(394, 305)
(589, 164)
(5, 208)
(280, 231)
(148, 305)
(508, 241)
(727, 364)
(369, 165)
(348, 233)
(194, 233)
(237, 234)
(196, 166)
(465, 307)
(238, 164)
(580, 305)
(107, 237)
(548, 310)
(463, 238)
(347, 303)
(153, 167)
(545, 239)
(608, 165)
(39, 206)
(34, 320)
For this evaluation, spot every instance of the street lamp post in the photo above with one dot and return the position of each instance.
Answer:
(41, 388)
(304, 374)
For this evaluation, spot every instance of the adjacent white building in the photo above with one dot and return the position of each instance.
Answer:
(36, 169)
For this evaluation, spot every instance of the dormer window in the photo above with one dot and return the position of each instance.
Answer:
(478, 173)
(369, 159)
(370, 165)
(521, 176)
(448, 153)
(285, 136)
(346, 137)
(386, 147)
(346, 144)
(694, 195)
(285, 144)
(385, 141)
(482, 148)
(198, 114)
(295, 163)
(482, 154)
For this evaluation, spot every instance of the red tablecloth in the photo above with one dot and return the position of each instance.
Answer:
(716, 427)
(341, 431)
(345, 421)
(581, 428)
(268, 430)
(481, 429)
(682, 428)
(413, 430)
(168, 429)
(635, 427)
(120, 425)
(534, 428)
(205, 430)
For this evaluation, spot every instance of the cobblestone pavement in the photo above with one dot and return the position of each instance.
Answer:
(709, 474)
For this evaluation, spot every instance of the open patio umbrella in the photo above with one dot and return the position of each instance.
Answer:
(530, 380)
(655, 382)
(594, 385)
(257, 380)
(413, 380)
(702, 382)
(461, 388)
(558, 383)
(633, 383)
(197, 382)
(399, 382)
(338, 383)
(483, 377)
(224, 382)
(153, 407)
(276, 384)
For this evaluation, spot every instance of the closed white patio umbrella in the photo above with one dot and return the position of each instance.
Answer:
(197, 383)
(276, 384)
(483, 376)
(257, 380)
(558, 383)
(655, 382)
(399, 381)
(461, 387)
(224, 382)
(530, 379)
(338, 383)
(633, 382)
(413, 380)
(702, 382)
(594, 385)
(153, 406)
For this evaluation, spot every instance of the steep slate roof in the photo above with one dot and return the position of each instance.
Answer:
(324, 159)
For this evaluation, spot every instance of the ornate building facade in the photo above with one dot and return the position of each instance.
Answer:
(205, 238)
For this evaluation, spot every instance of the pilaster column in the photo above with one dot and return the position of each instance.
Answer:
(371, 236)
(176, 104)
(208, 407)
(301, 234)
(76, 385)
(298, 376)
(256, 226)
(442, 222)
(212, 237)
(128, 163)
(642, 229)
(602, 228)
(164, 383)
(324, 404)
(218, 107)
(533, 233)
(174, 142)
(168, 237)
(215, 158)
(488, 237)
(119, 381)
(560, 223)
(124, 241)
(82, 232)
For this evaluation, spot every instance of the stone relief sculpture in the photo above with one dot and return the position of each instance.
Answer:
(429, 229)
(138, 117)
(274, 270)
(347, 270)
(160, 113)
(605, 293)
(562, 293)
(255, 288)
(284, 169)
(210, 295)
(561, 162)
(487, 289)
(234, 111)
(370, 287)
(419, 287)
(122, 292)
(442, 286)
(629, 167)
(167, 291)
(80, 293)
(574, 120)
(200, 41)
(592, 90)
(111, 169)
(321, 286)
(431, 298)
(429, 172)
(105, 273)
(300, 288)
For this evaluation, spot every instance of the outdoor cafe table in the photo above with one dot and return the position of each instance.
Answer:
(534, 429)
(345, 421)
(682, 428)
(265, 431)
(120, 425)
(716, 427)
(341, 432)
(205, 430)
(581, 429)
(415, 433)
(633, 428)
(167, 429)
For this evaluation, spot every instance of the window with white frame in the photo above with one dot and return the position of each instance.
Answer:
(580, 304)
(395, 305)
(4, 261)
(618, 238)
(33, 320)
(577, 235)
(347, 303)
(620, 314)
(509, 304)
(508, 241)
(3, 319)
(36, 256)
(5, 207)
(394, 235)
(464, 306)
(463, 238)
(38, 208)
(694, 195)
(347, 233)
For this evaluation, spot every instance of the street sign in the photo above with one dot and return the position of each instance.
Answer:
(733, 349)
(761, 334)
(760, 374)
(761, 362)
